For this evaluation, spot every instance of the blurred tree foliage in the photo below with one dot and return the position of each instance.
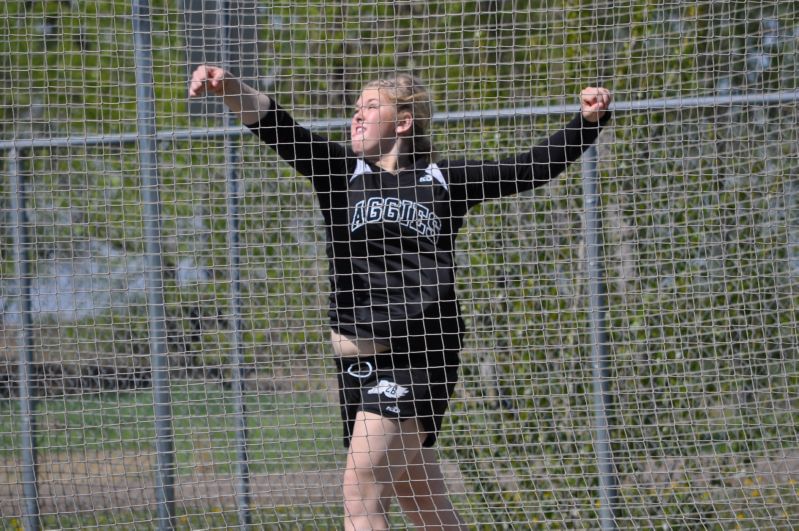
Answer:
(700, 234)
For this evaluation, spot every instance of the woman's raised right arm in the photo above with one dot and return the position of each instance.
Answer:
(326, 163)
(238, 96)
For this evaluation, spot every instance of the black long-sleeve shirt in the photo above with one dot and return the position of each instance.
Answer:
(391, 237)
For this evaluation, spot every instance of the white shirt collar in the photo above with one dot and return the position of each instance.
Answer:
(361, 168)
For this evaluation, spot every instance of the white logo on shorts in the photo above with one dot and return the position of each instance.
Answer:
(393, 409)
(390, 389)
(362, 369)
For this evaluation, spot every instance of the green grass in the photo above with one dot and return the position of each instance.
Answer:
(288, 431)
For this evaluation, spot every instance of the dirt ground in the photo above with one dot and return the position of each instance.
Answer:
(83, 481)
(98, 481)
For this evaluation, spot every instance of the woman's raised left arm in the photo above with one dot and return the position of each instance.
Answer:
(479, 181)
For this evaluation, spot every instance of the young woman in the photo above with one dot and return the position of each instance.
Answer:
(391, 217)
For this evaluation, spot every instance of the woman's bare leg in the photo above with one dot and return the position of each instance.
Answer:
(379, 454)
(386, 459)
(422, 494)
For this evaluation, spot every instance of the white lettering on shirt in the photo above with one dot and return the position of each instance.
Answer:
(416, 217)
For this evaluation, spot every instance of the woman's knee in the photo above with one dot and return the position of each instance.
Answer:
(366, 500)
(361, 484)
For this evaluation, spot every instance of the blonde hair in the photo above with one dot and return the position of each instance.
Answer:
(410, 94)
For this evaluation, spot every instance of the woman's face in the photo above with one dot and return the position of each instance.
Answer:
(374, 125)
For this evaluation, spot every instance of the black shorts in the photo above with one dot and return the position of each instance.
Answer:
(398, 386)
